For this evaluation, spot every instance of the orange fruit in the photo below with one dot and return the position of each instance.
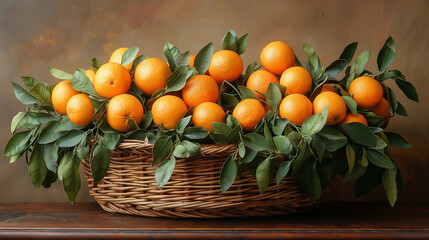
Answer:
(111, 80)
(259, 81)
(350, 117)
(225, 65)
(248, 113)
(328, 87)
(277, 56)
(61, 94)
(191, 60)
(80, 110)
(168, 110)
(117, 57)
(206, 113)
(90, 74)
(296, 107)
(199, 89)
(121, 108)
(296, 80)
(382, 109)
(151, 74)
(366, 91)
(337, 107)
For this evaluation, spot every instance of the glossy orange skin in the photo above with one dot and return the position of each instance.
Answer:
(337, 107)
(382, 109)
(117, 57)
(296, 80)
(206, 113)
(200, 89)
(61, 94)
(80, 110)
(366, 91)
(248, 113)
(277, 56)
(296, 107)
(168, 110)
(225, 65)
(121, 108)
(350, 117)
(112, 79)
(151, 74)
(259, 81)
(90, 74)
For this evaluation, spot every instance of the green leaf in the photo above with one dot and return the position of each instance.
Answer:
(195, 133)
(389, 184)
(331, 133)
(242, 44)
(334, 145)
(146, 121)
(183, 59)
(408, 89)
(40, 117)
(164, 171)
(312, 56)
(228, 101)
(36, 166)
(306, 174)
(379, 159)
(393, 103)
(373, 120)
(204, 58)
(295, 138)
(22, 95)
(246, 93)
(71, 138)
(318, 145)
(15, 124)
(81, 82)
(59, 73)
(137, 61)
(229, 42)
(268, 135)
(29, 81)
(360, 62)
(251, 68)
(401, 110)
(95, 63)
(273, 96)
(345, 58)
(50, 155)
(48, 133)
(177, 80)
(397, 141)
(279, 126)
(234, 135)
(283, 171)
(171, 52)
(386, 55)
(161, 149)
(249, 155)
(350, 153)
(256, 142)
(357, 172)
(264, 174)
(221, 128)
(368, 181)
(180, 151)
(314, 123)
(360, 133)
(82, 149)
(50, 178)
(17, 143)
(183, 123)
(41, 94)
(351, 104)
(65, 125)
(111, 140)
(132, 124)
(194, 149)
(364, 159)
(68, 157)
(100, 160)
(283, 144)
(71, 180)
(129, 56)
(228, 173)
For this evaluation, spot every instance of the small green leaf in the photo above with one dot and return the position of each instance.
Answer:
(268, 135)
(228, 173)
(221, 128)
(164, 171)
(360, 62)
(183, 123)
(95, 63)
(111, 140)
(29, 81)
(195, 133)
(350, 153)
(279, 126)
(242, 44)
(283, 144)
(180, 151)
(312, 56)
(331, 133)
(36, 166)
(171, 52)
(22, 95)
(379, 159)
(246, 93)
(129, 56)
(161, 149)
(81, 82)
(334, 145)
(50, 155)
(251, 68)
(132, 124)
(264, 174)
(15, 124)
(59, 74)
(17, 143)
(364, 159)
(373, 120)
(194, 149)
(368, 181)
(314, 123)
(183, 59)
(397, 141)
(408, 89)
(228, 101)
(344, 60)
(318, 145)
(137, 61)
(351, 104)
(177, 80)
(393, 103)
(256, 142)
(249, 155)
(100, 160)
(401, 110)
(386, 55)
(234, 135)
(229, 42)
(64, 161)
(146, 121)
(204, 58)
(49, 134)
(82, 149)
(71, 180)
(65, 125)
(41, 94)
(273, 96)
(380, 144)
(283, 171)
(389, 184)
(360, 133)
(71, 138)
(357, 172)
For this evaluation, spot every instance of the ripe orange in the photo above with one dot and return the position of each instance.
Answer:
(199, 89)
(207, 113)
(248, 113)
(121, 108)
(259, 81)
(80, 110)
(296, 80)
(277, 56)
(168, 110)
(61, 94)
(225, 65)
(382, 109)
(191, 60)
(337, 107)
(117, 57)
(366, 91)
(328, 87)
(350, 117)
(151, 74)
(90, 74)
(111, 80)
(296, 107)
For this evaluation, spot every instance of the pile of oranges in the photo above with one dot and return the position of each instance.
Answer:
(113, 81)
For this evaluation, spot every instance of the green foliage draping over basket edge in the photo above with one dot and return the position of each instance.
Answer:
(54, 147)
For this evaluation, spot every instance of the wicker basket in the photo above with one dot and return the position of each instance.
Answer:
(193, 190)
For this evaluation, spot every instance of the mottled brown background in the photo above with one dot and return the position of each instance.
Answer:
(67, 34)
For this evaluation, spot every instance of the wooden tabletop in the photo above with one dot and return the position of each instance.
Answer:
(328, 221)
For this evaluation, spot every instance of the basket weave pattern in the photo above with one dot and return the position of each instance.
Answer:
(193, 190)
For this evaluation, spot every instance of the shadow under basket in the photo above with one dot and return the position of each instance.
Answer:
(193, 190)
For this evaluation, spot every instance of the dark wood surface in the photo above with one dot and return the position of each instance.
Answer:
(328, 221)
